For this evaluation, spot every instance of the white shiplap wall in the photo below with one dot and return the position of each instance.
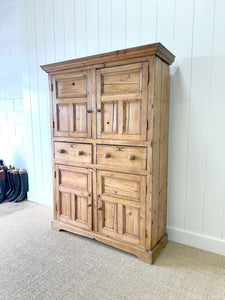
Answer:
(55, 30)
(11, 96)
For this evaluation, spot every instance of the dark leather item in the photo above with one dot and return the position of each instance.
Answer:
(24, 186)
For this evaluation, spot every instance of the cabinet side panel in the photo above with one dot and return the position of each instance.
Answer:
(52, 144)
(160, 150)
(163, 149)
(151, 93)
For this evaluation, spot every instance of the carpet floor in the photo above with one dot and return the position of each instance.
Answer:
(39, 263)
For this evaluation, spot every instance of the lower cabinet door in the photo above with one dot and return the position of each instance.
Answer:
(121, 206)
(74, 195)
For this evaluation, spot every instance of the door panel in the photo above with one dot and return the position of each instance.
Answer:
(122, 102)
(121, 206)
(74, 196)
(72, 104)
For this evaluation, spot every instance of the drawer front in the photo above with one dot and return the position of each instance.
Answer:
(120, 156)
(81, 153)
(71, 87)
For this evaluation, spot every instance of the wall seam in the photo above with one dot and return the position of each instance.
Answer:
(189, 108)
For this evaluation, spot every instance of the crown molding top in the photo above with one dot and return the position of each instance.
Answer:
(147, 50)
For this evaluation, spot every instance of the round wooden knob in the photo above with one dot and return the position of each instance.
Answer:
(107, 155)
(131, 157)
(80, 152)
(73, 83)
(99, 109)
(99, 208)
(61, 150)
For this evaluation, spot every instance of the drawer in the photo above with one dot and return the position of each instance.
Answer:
(120, 156)
(71, 87)
(74, 152)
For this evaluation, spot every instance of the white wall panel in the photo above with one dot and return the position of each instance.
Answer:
(44, 112)
(92, 27)
(133, 23)
(49, 34)
(148, 21)
(165, 22)
(179, 112)
(214, 191)
(118, 24)
(37, 181)
(59, 29)
(69, 28)
(199, 114)
(81, 28)
(194, 31)
(105, 25)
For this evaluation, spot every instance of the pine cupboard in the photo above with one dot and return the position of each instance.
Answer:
(109, 124)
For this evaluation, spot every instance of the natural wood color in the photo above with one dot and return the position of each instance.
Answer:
(122, 102)
(119, 156)
(73, 152)
(109, 129)
(138, 52)
(142, 254)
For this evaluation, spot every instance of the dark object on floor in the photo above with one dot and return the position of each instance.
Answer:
(24, 186)
(2, 186)
(17, 186)
(9, 177)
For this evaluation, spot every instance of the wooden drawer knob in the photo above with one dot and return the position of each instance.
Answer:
(89, 111)
(99, 208)
(131, 157)
(89, 205)
(107, 155)
(99, 109)
(61, 151)
(80, 152)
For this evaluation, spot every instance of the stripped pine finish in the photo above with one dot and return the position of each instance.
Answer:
(109, 142)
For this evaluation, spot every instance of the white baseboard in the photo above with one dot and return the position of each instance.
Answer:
(39, 198)
(197, 241)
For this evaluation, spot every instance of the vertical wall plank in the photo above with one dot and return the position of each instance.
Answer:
(165, 23)
(59, 29)
(37, 181)
(118, 24)
(214, 191)
(148, 21)
(28, 121)
(69, 23)
(133, 23)
(105, 26)
(48, 13)
(179, 117)
(92, 27)
(42, 78)
(199, 111)
(81, 28)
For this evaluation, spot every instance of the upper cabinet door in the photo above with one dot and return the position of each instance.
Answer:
(122, 102)
(72, 104)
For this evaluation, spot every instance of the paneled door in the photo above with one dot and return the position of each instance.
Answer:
(72, 104)
(121, 206)
(122, 102)
(74, 195)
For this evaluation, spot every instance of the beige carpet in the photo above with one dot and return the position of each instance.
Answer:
(39, 263)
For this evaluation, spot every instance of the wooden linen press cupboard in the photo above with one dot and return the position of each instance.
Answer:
(109, 121)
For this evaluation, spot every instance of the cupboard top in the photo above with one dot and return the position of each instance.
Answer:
(152, 49)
